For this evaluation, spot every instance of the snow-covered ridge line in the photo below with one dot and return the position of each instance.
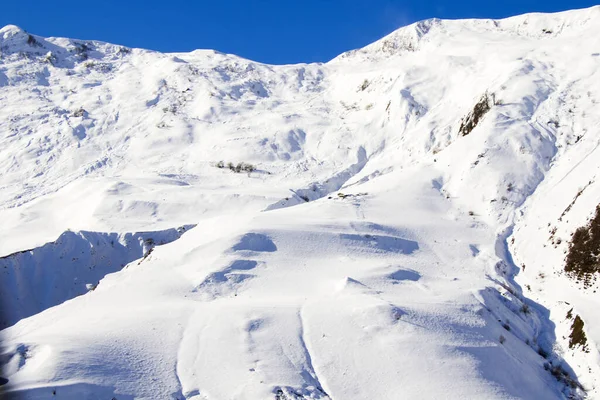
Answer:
(36, 279)
(528, 26)
(533, 25)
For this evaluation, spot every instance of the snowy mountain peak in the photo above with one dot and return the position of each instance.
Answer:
(390, 224)
(10, 30)
(13, 36)
(436, 32)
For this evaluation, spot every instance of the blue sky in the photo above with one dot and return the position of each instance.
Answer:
(276, 32)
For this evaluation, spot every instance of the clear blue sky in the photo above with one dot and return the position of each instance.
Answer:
(271, 31)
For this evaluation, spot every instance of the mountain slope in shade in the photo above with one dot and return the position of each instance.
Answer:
(397, 226)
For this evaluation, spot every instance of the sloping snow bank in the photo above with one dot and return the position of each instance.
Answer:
(43, 277)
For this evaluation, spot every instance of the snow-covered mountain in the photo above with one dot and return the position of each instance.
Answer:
(392, 224)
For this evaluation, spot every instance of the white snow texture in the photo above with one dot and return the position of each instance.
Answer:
(368, 248)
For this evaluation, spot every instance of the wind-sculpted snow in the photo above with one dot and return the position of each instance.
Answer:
(367, 250)
(37, 279)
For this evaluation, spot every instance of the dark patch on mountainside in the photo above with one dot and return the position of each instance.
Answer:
(577, 336)
(469, 122)
(583, 259)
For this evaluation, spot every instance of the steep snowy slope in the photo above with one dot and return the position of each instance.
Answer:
(371, 246)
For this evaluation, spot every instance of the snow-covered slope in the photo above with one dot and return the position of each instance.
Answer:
(371, 246)
(36, 279)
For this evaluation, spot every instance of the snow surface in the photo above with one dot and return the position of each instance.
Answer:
(374, 253)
